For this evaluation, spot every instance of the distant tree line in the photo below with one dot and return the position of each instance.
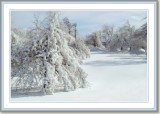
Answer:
(123, 39)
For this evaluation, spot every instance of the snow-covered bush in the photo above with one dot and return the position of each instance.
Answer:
(80, 49)
(49, 62)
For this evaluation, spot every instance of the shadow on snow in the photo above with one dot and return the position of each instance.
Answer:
(114, 63)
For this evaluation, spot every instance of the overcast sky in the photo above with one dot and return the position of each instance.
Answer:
(87, 21)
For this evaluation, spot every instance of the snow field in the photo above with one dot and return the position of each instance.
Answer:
(111, 78)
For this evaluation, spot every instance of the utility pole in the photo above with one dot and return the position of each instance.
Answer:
(75, 30)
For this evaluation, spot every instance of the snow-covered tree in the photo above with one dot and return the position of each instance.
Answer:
(48, 62)
(107, 34)
(122, 38)
(94, 39)
(139, 40)
(68, 25)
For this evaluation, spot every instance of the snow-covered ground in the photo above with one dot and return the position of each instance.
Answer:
(112, 78)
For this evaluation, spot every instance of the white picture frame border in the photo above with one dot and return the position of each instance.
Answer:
(151, 105)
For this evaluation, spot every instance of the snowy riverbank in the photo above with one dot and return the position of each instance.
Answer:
(111, 77)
